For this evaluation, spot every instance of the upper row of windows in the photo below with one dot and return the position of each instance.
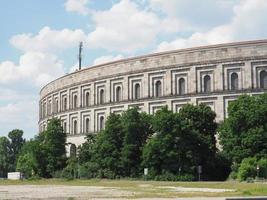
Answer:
(136, 93)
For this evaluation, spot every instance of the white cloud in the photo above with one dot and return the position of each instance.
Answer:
(48, 40)
(105, 59)
(200, 14)
(78, 6)
(34, 67)
(21, 115)
(247, 23)
(125, 27)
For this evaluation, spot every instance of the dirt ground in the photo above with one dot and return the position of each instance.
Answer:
(58, 192)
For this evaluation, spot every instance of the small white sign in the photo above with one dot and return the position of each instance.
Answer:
(145, 171)
(14, 175)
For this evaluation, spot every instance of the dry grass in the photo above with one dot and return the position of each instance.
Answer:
(142, 189)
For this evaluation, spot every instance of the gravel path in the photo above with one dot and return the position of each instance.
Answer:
(57, 192)
(60, 192)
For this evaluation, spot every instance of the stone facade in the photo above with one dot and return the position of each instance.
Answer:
(214, 75)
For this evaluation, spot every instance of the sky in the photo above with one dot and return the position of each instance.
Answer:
(39, 40)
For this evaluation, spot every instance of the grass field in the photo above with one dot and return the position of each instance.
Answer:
(140, 189)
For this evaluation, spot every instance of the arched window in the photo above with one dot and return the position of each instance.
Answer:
(207, 84)
(65, 127)
(234, 81)
(137, 91)
(44, 109)
(56, 106)
(87, 99)
(158, 90)
(181, 86)
(263, 79)
(75, 101)
(72, 151)
(101, 96)
(49, 108)
(65, 104)
(75, 127)
(101, 123)
(118, 94)
(87, 124)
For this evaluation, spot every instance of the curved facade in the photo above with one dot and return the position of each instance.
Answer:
(214, 75)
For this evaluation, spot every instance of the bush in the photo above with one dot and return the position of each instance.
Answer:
(263, 168)
(106, 173)
(34, 178)
(89, 170)
(27, 164)
(247, 169)
(167, 176)
(57, 174)
(67, 173)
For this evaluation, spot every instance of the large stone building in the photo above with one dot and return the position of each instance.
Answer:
(213, 75)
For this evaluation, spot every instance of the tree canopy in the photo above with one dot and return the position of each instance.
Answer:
(244, 133)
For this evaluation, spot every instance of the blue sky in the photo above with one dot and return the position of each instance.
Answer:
(39, 39)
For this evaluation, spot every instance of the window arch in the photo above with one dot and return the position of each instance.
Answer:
(101, 96)
(44, 110)
(263, 79)
(101, 123)
(118, 94)
(56, 106)
(87, 125)
(75, 101)
(207, 83)
(87, 99)
(49, 108)
(75, 127)
(65, 127)
(137, 91)
(158, 89)
(234, 81)
(181, 87)
(65, 104)
(73, 150)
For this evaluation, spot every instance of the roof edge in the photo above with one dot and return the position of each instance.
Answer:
(197, 48)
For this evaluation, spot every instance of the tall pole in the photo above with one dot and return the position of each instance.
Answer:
(80, 55)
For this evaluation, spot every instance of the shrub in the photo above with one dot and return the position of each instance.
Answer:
(263, 168)
(67, 173)
(27, 164)
(247, 169)
(57, 174)
(89, 170)
(167, 176)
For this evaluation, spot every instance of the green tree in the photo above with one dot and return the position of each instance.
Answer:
(202, 118)
(54, 141)
(86, 150)
(16, 143)
(136, 128)
(108, 146)
(243, 133)
(170, 149)
(4, 156)
(27, 164)
(182, 141)
(33, 154)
